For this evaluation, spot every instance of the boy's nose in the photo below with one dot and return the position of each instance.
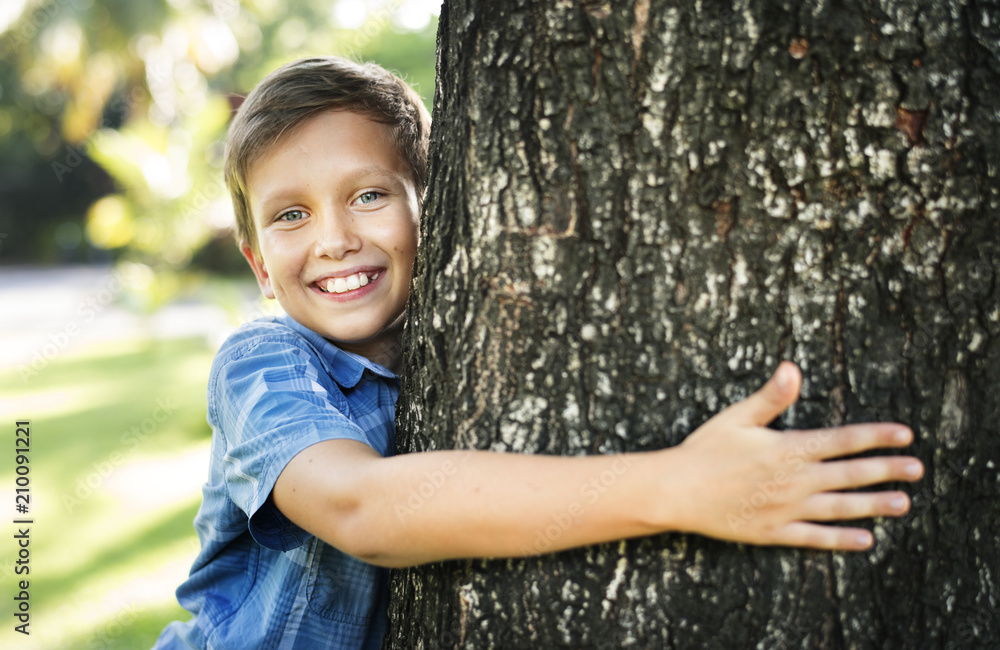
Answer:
(337, 238)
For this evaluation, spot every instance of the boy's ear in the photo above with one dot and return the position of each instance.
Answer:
(259, 270)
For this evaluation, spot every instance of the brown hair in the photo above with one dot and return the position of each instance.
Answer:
(299, 90)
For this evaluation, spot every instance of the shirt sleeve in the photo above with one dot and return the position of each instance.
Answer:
(274, 399)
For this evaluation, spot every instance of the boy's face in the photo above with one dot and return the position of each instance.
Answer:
(336, 215)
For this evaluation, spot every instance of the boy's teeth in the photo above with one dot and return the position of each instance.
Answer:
(349, 283)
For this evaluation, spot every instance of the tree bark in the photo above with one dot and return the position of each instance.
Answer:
(635, 210)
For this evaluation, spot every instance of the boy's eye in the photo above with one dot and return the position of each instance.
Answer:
(291, 215)
(368, 197)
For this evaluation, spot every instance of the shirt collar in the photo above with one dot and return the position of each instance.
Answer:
(346, 368)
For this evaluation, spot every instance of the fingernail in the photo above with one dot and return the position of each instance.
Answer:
(903, 435)
(898, 504)
(864, 540)
(913, 470)
(782, 377)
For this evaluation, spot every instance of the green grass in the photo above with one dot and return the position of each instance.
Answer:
(119, 450)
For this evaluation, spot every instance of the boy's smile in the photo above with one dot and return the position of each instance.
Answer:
(336, 216)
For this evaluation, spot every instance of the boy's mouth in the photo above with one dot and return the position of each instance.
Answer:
(347, 283)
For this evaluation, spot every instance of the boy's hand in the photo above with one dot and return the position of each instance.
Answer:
(760, 486)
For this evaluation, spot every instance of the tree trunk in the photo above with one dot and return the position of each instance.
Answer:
(635, 210)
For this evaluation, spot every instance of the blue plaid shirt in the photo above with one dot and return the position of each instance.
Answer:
(260, 581)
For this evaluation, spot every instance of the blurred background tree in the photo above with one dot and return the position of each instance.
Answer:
(113, 115)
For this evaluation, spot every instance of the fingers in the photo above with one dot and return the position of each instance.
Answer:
(861, 472)
(780, 392)
(844, 507)
(804, 532)
(822, 444)
(830, 538)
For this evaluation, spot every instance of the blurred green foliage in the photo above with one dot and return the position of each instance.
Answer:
(112, 121)
(113, 115)
(119, 448)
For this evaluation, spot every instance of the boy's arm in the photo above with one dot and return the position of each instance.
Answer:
(731, 479)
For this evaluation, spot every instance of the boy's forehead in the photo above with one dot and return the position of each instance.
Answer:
(349, 124)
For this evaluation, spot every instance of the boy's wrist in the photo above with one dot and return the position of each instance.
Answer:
(666, 490)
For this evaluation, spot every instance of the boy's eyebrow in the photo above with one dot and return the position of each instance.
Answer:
(376, 170)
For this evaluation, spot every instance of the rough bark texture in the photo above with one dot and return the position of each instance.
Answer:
(635, 211)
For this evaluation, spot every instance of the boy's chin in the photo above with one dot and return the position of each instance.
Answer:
(347, 337)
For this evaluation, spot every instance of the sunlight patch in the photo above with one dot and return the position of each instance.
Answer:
(51, 403)
(152, 483)
(10, 12)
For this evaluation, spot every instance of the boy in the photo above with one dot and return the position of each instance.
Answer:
(326, 161)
